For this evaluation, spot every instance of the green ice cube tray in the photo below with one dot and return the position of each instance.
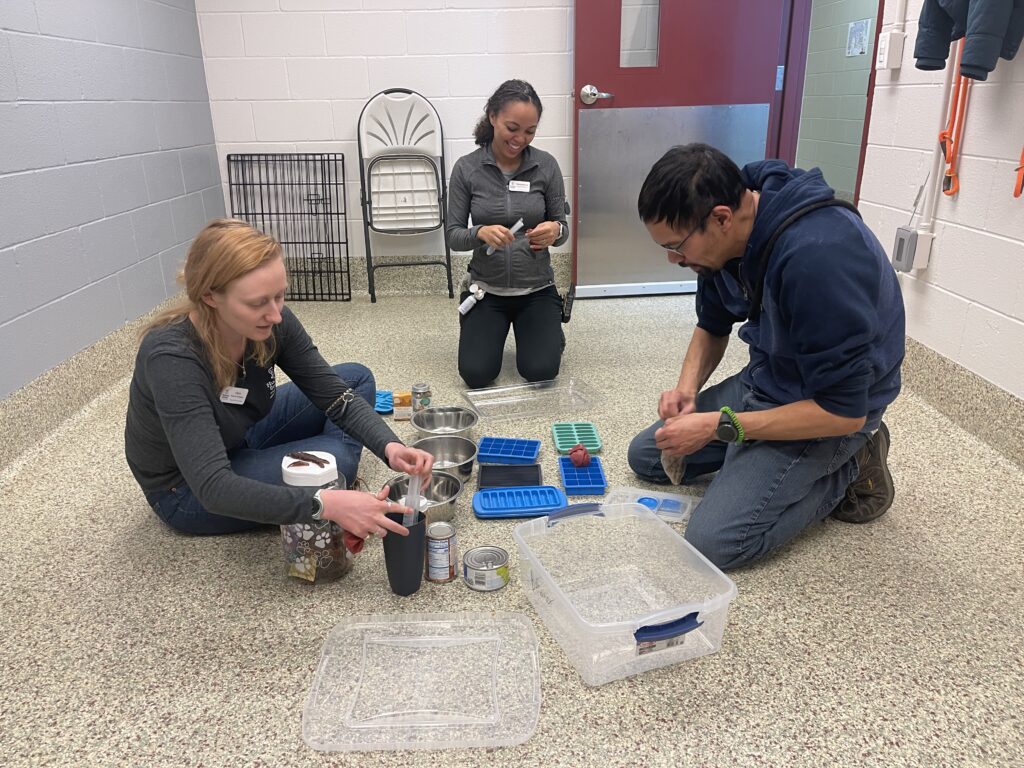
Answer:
(570, 433)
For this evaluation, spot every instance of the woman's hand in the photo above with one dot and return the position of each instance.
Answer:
(495, 235)
(412, 461)
(543, 235)
(362, 514)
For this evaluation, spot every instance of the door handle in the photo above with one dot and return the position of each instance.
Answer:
(589, 94)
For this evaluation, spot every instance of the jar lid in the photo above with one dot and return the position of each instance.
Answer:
(298, 472)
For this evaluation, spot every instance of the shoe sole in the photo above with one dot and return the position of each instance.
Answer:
(884, 454)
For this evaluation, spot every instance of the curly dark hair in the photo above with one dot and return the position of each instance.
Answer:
(509, 91)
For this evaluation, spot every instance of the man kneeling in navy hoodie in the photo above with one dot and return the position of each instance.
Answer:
(797, 435)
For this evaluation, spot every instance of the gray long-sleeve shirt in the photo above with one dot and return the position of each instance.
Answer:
(535, 193)
(178, 430)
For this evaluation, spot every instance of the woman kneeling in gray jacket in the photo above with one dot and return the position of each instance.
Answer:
(498, 184)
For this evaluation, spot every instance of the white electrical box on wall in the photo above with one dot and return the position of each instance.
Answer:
(889, 54)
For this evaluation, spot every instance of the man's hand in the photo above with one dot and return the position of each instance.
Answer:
(686, 433)
(674, 402)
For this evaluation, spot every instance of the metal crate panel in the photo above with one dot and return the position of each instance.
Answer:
(298, 198)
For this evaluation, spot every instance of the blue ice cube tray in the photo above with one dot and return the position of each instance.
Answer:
(582, 481)
(385, 401)
(523, 501)
(507, 450)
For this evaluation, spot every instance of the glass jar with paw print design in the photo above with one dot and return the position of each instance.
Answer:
(315, 551)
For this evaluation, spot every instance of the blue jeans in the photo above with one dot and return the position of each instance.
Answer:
(766, 491)
(293, 424)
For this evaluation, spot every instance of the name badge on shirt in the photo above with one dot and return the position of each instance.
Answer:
(233, 395)
(518, 186)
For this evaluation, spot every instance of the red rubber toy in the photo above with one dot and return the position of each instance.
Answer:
(579, 455)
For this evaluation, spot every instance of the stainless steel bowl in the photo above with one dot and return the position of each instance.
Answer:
(451, 453)
(445, 420)
(440, 497)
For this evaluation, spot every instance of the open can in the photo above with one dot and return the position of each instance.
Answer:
(485, 569)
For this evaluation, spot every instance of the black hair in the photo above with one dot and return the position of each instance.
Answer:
(685, 185)
(509, 91)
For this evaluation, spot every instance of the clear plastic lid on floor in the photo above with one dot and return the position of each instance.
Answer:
(425, 681)
(538, 398)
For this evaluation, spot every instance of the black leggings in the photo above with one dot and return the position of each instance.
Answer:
(536, 319)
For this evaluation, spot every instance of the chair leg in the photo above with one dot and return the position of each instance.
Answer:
(369, 260)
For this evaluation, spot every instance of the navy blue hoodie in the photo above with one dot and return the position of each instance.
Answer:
(831, 327)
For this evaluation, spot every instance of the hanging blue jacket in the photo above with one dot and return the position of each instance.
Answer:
(993, 28)
(831, 327)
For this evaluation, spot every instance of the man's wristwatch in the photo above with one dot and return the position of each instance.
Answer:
(729, 428)
(318, 505)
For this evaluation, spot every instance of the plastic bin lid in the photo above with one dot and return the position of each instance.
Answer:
(619, 566)
(425, 681)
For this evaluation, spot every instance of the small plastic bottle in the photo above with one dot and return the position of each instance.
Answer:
(314, 552)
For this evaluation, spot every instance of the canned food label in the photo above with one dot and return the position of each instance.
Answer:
(441, 558)
(487, 579)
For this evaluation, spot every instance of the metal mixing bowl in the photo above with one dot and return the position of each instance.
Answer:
(445, 420)
(441, 496)
(451, 453)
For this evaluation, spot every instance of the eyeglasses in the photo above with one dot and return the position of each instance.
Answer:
(678, 247)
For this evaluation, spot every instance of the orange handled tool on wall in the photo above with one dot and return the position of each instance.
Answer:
(1018, 188)
(951, 138)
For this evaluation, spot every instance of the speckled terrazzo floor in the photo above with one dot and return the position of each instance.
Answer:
(892, 644)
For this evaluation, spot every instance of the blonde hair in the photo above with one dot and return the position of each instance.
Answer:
(224, 250)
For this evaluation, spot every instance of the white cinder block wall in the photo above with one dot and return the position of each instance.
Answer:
(969, 304)
(293, 75)
(107, 169)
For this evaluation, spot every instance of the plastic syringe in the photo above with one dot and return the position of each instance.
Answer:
(512, 230)
(412, 500)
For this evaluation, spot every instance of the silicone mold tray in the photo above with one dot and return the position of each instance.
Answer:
(507, 450)
(582, 481)
(570, 433)
(385, 402)
(525, 501)
(508, 475)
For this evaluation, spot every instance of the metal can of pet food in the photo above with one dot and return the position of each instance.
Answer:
(421, 395)
(442, 553)
(485, 569)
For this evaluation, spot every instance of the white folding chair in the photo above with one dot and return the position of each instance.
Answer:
(401, 173)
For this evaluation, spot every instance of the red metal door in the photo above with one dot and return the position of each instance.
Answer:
(709, 52)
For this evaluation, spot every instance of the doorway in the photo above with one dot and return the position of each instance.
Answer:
(649, 75)
(840, 56)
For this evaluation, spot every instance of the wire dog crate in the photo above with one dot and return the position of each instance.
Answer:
(300, 200)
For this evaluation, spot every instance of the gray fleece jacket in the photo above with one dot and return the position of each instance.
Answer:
(479, 189)
(178, 430)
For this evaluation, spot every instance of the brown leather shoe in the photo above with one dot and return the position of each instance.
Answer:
(871, 494)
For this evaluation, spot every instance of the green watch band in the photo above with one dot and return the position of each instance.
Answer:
(735, 422)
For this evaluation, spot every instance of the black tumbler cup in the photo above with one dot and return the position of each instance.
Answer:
(403, 555)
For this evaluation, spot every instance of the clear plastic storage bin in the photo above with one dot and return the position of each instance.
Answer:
(620, 590)
(533, 399)
(425, 681)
